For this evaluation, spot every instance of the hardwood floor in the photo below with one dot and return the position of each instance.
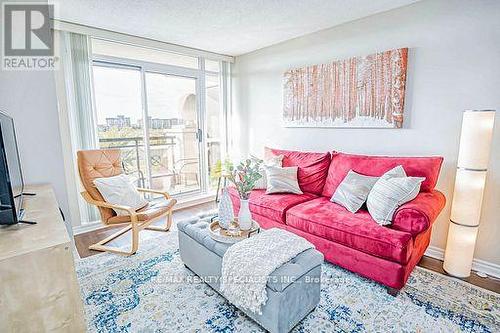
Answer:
(83, 241)
(436, 265)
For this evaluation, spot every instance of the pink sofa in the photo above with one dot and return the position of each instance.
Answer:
(386, 254)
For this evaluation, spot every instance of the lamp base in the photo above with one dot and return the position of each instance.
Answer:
(455, 275)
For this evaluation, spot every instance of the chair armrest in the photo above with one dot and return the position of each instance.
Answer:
(90, 200)
(418, 215)
(146, 190)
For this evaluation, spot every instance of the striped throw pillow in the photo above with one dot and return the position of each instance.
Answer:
(282, 180)
(392, 190)
(353, 191)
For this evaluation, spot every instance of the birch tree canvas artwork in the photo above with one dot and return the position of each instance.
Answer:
(357, 92)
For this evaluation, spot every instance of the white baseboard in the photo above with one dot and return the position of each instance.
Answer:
(190, 202)
(478, 265)
(181, 204)
(81, 229)
(434, 252)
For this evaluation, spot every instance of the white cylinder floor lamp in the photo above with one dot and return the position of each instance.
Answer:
(473, 157)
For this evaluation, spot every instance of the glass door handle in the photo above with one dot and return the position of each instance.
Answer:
(199, 135)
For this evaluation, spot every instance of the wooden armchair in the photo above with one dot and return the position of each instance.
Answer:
(101, 163)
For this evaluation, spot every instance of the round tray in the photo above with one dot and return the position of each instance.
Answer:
(223, 236)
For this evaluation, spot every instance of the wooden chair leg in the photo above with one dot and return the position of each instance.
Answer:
(165, 227)
(99, 246)
(135, 238)
(169, 219)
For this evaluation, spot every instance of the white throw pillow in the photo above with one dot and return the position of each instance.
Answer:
(282, 180)
(353, 191)
(272, 160)
(118, 190)
(390, 191)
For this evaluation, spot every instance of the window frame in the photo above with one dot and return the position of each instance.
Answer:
(199, 75)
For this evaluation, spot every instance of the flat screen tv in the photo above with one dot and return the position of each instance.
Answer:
(11, 178)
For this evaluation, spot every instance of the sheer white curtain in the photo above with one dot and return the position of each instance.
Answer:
(77, 68)
(74, 89)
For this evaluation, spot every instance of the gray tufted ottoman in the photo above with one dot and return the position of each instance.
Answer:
(293, 289)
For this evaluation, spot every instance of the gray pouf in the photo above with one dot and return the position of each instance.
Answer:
(293, 289)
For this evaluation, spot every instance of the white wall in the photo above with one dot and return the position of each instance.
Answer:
(454, 64)
(30, 98)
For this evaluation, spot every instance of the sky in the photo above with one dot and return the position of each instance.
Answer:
(118, 92)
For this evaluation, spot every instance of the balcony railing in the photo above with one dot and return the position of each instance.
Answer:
(173, 167)
(170, 169)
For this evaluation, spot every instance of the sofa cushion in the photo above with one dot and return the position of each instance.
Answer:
(273, 206)
(391, 191)
(353, 191)
(313, 168)
(331, 221)
(427, 167)
(282, 180)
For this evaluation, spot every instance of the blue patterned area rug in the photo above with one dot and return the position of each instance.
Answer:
(152, 291)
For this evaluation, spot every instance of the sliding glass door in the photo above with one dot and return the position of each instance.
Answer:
(174, 132)
(119, 113)
(214, 124)
(153, 118)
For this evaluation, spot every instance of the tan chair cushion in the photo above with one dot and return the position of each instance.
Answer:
(151, 211)
(98, 163)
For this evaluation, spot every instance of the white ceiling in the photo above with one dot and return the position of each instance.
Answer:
(231, 27)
